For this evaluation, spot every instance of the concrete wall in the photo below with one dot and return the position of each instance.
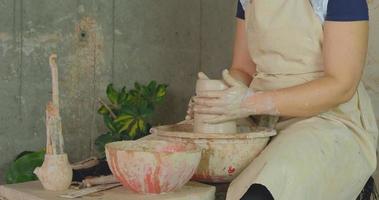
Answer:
(99, 42)
(102, 41)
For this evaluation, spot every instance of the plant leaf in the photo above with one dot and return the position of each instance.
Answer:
(141, 124)
(123, 118)
(161, 91)
(129, 109)
(21, 170)
(109, 123)
(126, 125)
(152, 85)
(104, 139)
(22, 154)
(112, 94)
(103, 110)
(122, 96)
(146, 92)
(133, 130)
(137, 86)
(125, 136)
(146, 111)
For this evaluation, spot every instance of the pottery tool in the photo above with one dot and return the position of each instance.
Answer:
(91, 190)
(101, 180)
(55, 173)
(54, 135)
(87, 163)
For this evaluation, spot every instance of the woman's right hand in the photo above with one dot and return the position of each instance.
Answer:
(191, 103)
(190, 113)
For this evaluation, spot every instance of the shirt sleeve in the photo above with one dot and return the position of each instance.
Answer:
(347, 10)
(240, 11)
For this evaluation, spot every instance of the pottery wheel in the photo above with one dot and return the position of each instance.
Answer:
(224, 155)
(185, 130)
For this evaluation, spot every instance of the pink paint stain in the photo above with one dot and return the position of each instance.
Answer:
(208, 178)
(231, 170)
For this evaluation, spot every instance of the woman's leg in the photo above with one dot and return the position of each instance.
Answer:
(257, 192)
(320, 155)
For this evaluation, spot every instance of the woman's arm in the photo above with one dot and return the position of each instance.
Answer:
(243, 68)
(344, 52)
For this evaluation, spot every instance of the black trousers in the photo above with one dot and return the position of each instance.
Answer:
(257, 192)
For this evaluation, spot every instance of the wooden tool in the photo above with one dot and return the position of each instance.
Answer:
(87, 191)
(92, 181)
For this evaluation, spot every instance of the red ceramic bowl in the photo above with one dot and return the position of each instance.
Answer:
(152, 166)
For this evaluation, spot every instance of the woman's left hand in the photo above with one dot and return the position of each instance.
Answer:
(232, 103)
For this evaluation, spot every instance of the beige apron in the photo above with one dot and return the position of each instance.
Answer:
(326, 157)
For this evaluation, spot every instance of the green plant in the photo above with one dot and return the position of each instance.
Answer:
(21, 169)
(128, 113)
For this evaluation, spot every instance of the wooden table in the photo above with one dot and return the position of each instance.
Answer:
(34, 191)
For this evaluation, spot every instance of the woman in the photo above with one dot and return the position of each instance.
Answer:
(303, 61)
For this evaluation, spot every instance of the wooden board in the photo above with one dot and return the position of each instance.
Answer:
(34, 191)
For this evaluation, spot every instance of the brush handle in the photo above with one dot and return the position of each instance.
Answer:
(55, 143)
(54, 80)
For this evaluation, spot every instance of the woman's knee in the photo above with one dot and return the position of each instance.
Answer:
(257, 192)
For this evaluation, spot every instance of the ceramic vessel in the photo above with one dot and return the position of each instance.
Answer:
(224, 156)
(152, 166)
(55, 173)
(203, 85)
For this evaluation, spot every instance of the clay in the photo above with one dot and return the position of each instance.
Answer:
(224, 156)
(152, 166)
(56, 172)
(201, 127)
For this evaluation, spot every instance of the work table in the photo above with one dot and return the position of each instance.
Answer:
(34, 191)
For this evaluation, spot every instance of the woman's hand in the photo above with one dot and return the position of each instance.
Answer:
(190, 112)
(191, 103)
(232, 103)
(242, 69)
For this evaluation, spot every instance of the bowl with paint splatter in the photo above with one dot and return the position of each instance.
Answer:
(152, 166)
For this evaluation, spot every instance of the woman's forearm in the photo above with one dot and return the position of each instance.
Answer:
(303, 100)
(242, 68)
(239, 75)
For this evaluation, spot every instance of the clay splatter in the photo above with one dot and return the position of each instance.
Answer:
(231, 170)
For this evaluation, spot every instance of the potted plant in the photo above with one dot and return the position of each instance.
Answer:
(127, 115)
